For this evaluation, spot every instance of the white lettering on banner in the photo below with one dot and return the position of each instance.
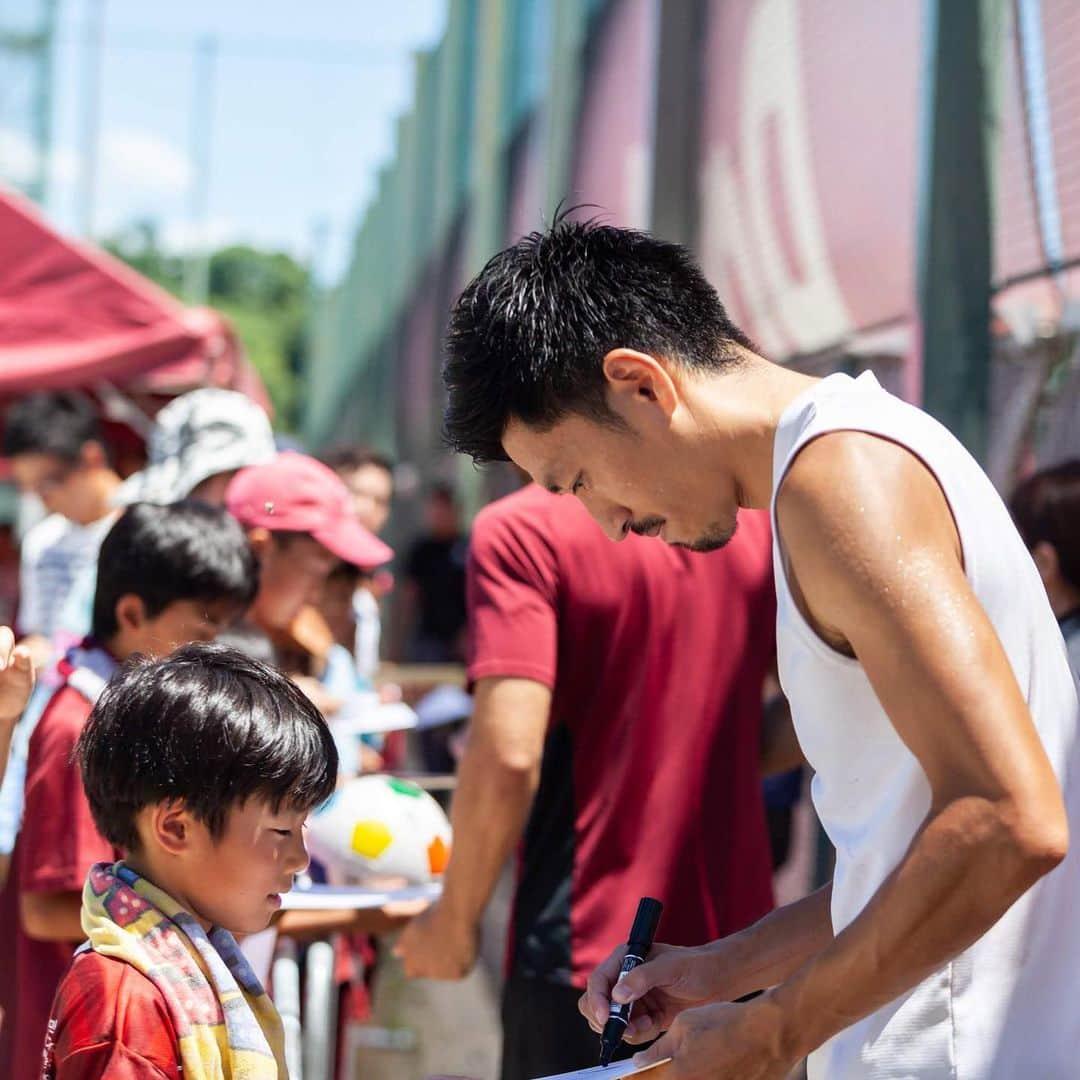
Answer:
(787, 314)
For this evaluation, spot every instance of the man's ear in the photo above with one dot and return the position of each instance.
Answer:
(130, 612)
(92, 455)
(637, 378)
(170, 826)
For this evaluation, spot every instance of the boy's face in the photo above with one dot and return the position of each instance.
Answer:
(59, 484)
(180, 623)
(292, 571)
(236, 881)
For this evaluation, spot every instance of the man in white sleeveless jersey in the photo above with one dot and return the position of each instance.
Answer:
(927, 676)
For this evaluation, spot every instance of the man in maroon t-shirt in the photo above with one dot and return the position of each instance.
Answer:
(629, 771)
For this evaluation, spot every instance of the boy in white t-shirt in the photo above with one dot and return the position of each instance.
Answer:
(54, 442)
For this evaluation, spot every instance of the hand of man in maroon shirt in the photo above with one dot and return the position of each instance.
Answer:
(438, 945)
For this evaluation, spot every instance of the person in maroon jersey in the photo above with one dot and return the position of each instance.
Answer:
(625, 776)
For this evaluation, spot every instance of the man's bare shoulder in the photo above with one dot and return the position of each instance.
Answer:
(852, 504)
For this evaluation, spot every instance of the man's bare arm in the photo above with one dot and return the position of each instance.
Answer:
(497, 780)
(875, 557)
(675, 979)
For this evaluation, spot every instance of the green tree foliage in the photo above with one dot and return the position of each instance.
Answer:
(264, 294)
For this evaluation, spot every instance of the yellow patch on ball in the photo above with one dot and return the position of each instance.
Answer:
(370, 839)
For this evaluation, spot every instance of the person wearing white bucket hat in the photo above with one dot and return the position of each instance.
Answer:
(199, 442)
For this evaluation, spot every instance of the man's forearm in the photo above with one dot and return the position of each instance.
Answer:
(491, 806)
(963, 871)
(770, 950)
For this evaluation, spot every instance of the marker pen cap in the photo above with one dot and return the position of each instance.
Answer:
(645, 922)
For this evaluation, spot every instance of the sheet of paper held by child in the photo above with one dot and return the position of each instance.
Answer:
(348, 897)
(609, 1072)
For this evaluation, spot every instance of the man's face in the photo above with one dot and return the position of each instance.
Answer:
(641, 481)
(56, 482)
(372, 489)
(292, 570)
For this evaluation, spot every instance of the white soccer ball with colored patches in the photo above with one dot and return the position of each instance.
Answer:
(377, 828)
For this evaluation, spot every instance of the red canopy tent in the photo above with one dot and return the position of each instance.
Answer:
(73, 316)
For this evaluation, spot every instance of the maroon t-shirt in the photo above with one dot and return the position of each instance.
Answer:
(650, 783)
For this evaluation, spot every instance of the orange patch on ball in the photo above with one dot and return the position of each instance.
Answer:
(438, 855)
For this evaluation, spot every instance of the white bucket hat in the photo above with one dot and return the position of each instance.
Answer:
(197, 436)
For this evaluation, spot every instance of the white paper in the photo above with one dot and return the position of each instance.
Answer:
(364, 714)
(354, 898)
(609, 1072)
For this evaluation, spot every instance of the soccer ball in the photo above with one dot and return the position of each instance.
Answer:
(376, 828)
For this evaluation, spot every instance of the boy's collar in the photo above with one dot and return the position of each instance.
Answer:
(87, 667)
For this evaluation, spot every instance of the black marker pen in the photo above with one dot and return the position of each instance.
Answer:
(638, 945)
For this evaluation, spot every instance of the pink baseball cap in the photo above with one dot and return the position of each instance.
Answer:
(296, 493)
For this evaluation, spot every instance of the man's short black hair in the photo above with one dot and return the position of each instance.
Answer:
(56, 422)
(208, 726)
(348, 458)
(1046, 507)
(528, 336)
(161, 554)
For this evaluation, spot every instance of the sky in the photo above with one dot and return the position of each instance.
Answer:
(301, 111)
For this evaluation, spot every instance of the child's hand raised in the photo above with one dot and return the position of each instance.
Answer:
(16, 677)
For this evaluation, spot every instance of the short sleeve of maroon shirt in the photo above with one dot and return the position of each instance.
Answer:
(110, 1021)
(57, 845)
(650, 784)
(511, 590)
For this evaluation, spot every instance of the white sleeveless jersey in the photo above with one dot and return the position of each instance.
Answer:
(1009, 1007)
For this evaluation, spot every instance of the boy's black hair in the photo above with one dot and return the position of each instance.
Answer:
(208, 726)
(528, 336)
(57, 422)
(348, 458)
(186, 551)
(1046, 507)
